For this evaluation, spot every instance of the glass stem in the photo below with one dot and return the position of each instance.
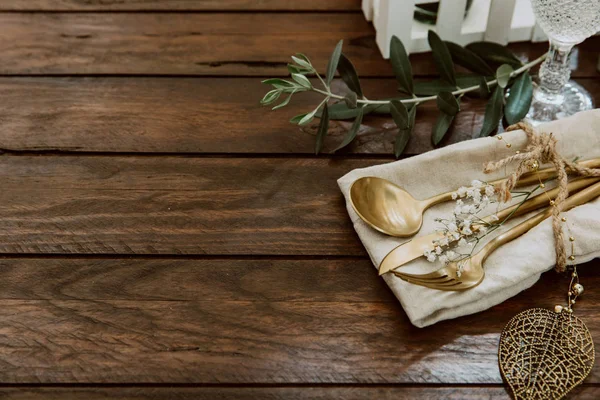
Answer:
(555, 72)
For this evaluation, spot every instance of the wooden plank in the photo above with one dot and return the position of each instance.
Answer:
(83, 326)
(180, 5)
(190, 115)
(175, 205)
(204, 43)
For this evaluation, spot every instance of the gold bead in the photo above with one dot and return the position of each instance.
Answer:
(499, 137)
(570, 294)
(564, 219)
(570, 310)
(573, 301)
(574, 274)
(578, 289)
(571, 238)
(558, 308)
(542, 185)
(534, 165)
(551, 202)
(508, 145)
(572, 258)
(517, 152)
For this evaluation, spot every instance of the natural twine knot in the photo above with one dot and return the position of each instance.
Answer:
(541, 149)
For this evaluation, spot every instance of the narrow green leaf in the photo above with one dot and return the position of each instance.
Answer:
(278, 83)
(323, 127)
(493, 112)
(284, 102)
(303, 57)
(404, 135)
(447, 103)
(442, 57)
(351, 100)
(309, 117)
(503, 75)
(333, 62)
(494, 53)
(401, 65)
(399, 114)
(441, 127)
(484, 89)
(468, 59)
(302, 80)
(432, 88)
(295, 120)
(303, 62)
(349, 75)
(519, 99)
(353, 130)
(270, 97)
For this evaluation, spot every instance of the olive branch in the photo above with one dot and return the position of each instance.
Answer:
(480, 58)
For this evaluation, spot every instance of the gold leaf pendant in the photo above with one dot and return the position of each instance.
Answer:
(544, 354)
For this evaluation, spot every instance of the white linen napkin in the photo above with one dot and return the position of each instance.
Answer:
(513, 267)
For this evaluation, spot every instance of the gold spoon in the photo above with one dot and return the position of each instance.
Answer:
(389, 209)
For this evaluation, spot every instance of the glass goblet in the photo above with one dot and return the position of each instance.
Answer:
(567, 23)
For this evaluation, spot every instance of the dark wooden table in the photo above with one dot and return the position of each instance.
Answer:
(163, 236)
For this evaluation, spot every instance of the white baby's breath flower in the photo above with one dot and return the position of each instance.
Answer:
(438, 250)
(466, 223)
(467, 231)
(494, 218)
(462, 191)
(462, 242)
(455, 235)
(431, 257)
(489, 190)
(476, 183)
(454, 196)
(443, 241)
(470, 192)
(444, 258)
(452, 227)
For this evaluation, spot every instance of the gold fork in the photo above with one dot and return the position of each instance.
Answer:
(471, 272)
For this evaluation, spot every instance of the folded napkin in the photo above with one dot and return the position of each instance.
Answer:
(513, 267)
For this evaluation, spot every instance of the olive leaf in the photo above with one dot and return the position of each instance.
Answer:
(303, 61)
(503, 75)
(295, 120)
(405, 120)
(271, 97)
(279, 83)
(333, 62)
(440, 128)
(353, 130)
(494, 53)
(302, 80)
(341, 111)
(484, 89)
(432, 88)
(349, 75)
(401, 65)
(284, 102)
(351, 100)
(493, 112)
(442, 57)
(519, 99)
(323, 127)
(447, 103)
(468, 59)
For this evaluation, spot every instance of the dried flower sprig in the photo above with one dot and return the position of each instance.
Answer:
(479, 57)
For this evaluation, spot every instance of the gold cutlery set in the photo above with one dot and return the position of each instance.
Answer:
(391, 210)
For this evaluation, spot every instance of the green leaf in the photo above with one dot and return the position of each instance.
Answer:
(278, 83)
(351, 100)
(302, 61)
(493, 112)
(270, 97)
(401, 65)
(302, 80)
(284, 102)
(353, 130)
(399, 114)
(441, 127)
(432, 88)
(484, 89)
(309, 117)
(442, 58)
(349, 75)
(447, 103)
(494, 53)
(468, 59)
(503, 75)
(297, 118)
(404, 135)
(294, 69)
(323, 127)
(519, 99)
(333, 62)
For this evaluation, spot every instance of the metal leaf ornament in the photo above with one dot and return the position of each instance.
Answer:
(543, 354)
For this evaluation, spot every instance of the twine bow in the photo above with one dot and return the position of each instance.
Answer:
(541, 149)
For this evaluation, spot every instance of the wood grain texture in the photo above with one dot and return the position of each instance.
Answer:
(205, 43)
(175, 205)
(180, 5)
(92, 322)
(207, 115)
